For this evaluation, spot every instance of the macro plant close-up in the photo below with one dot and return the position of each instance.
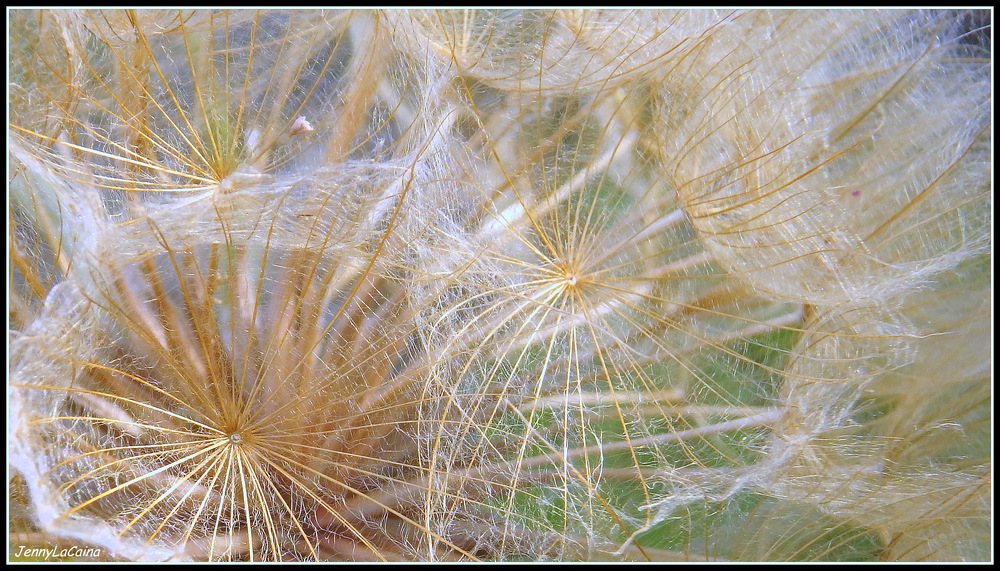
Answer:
(501, 285)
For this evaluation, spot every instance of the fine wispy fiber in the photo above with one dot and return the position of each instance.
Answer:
(501, 285)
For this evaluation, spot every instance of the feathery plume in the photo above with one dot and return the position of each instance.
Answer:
(494, 285)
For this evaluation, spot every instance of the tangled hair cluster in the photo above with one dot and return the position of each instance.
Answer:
(501, 285)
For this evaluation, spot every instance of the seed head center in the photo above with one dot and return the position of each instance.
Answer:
(235, 438)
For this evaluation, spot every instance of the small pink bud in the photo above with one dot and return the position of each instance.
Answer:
(300, 127)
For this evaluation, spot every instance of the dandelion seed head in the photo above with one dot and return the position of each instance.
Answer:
(528, 284)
